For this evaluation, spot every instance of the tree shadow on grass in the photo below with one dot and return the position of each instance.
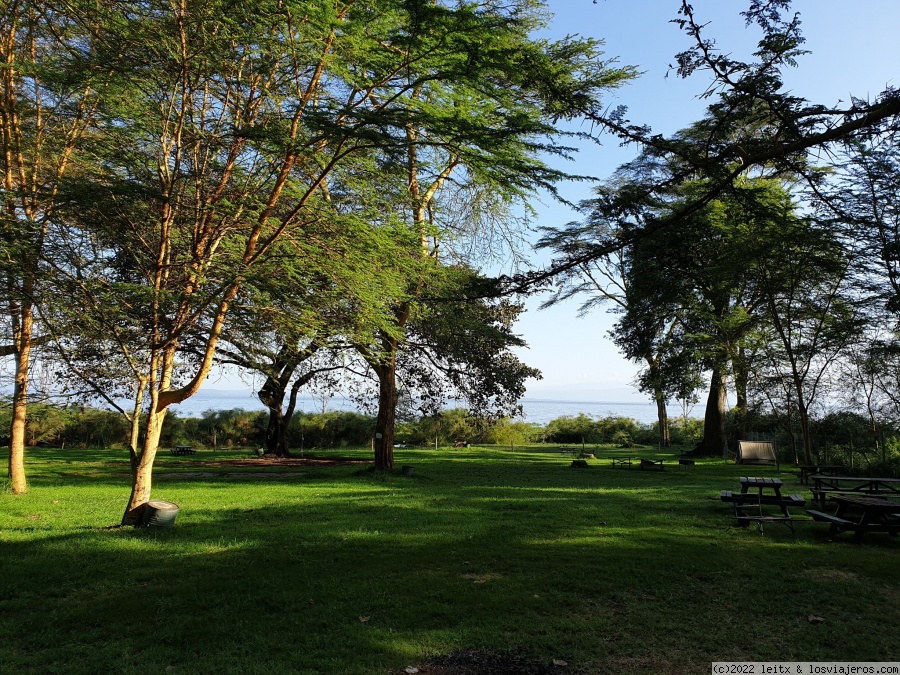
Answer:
(350, 574)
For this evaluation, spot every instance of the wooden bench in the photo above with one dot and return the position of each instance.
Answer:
(745, 514)
(563, 450)
(861, 486)
(769, 500)
(621, 461)
(822, 517)
(183, 450)
(808, 470)
(652, 464)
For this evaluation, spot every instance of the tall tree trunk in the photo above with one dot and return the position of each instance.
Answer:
(803, 413)
(665, 438)
(741, 379)
(387, 413)
(714, 440)
(20, 405)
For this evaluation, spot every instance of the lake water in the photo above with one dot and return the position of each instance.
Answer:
(538, 411)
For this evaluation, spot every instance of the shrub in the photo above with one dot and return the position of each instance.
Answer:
(330, 429)
(580, 429)
(506, 432)
(448, 426)
(613, 427)
(685, 431)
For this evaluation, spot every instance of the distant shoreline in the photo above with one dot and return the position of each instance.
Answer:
(536, 410)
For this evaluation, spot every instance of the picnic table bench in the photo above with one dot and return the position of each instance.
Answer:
(686, 458)
(182, 450)
(621, 461)
(807, 470)
(756, 493)
(825, 486)
(860, 513)
(652, 464)
(565, 449)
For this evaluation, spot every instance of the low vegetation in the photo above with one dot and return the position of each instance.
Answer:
(842, 438)
(481, 555)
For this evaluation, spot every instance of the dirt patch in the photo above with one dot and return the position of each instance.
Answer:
(254, 475)
(478, 662)
(836, 575)
(264, 462)
(482, 578)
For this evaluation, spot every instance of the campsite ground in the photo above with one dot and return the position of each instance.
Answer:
(484, 560)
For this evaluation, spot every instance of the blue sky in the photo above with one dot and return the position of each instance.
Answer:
(854, 50)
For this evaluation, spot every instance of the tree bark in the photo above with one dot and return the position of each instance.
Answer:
(714, 440)
(142, 473)
(387, 413)
(20, 409)
(665, 438)
(276, 434)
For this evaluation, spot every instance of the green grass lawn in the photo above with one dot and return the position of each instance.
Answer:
(481, 551)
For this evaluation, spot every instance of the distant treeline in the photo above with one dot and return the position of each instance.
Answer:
(79, 426)
(839, 437)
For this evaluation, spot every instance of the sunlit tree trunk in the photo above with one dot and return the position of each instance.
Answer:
(142, 473)
(17, 478)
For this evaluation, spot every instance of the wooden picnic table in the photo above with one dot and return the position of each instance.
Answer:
(183, 450)
(757, 492)
(861, 513)
(858, 485)
(807, 470)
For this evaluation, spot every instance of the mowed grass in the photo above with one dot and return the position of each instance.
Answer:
(338, 570)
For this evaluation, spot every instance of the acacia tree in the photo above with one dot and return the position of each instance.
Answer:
(221, 147)
(48, 100)
(292, 324)
(749, 97)
(493, 94)
(801, 273)
(651, 328)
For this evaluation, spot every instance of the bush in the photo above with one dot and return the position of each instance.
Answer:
(612, 428)
(580, 429)
(330, 430)
(447, 427)
(105, 428)
(685, 431)
(506, 432)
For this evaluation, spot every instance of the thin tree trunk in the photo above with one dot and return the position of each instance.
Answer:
(135, 437)
(804, 429)
(741, 378)
(20, 409)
